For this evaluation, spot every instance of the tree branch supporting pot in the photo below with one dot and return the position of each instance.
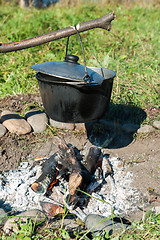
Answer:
(102, 22)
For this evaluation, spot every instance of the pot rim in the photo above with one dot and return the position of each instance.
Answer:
(107, 74)
(69, 70)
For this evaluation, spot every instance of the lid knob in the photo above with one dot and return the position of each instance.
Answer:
(71, 58)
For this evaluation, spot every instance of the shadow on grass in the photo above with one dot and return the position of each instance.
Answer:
(117, 127)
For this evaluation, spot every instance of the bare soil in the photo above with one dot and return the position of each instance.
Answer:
(141, 155)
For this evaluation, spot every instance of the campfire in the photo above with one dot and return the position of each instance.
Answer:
(87, 180)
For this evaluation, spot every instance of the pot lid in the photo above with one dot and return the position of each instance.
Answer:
(69, 69)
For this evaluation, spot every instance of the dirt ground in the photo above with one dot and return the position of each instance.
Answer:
(141, 155)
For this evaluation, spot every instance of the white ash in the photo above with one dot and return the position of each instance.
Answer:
(116, 191)
(15, 190)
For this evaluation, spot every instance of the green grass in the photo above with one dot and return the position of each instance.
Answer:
(148, 230)
(131, 48)
(32, 230)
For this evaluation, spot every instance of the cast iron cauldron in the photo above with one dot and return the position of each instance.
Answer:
(70, 97)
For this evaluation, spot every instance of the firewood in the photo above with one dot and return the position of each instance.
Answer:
(68, 158)
(75, 180)
(36, 187)
(42, 183)
(48, 175)
(92, 158)
(78, 171)
(106, 167)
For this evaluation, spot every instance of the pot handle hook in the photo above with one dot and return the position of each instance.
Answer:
(86, 78)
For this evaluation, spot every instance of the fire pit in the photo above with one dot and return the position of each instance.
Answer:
(92, 182)
(84, 182)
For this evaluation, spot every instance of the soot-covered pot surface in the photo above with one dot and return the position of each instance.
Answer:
(69, 97)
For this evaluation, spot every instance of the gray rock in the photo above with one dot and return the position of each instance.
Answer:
(3, 130)
(2, 212)
(15, 123)
(156, 124)
(3, 217)
(12, 227)
(145, 129)
(34, 214)
(62, 125)
(130, 128)
(68, 224)
(97, 224)
(37, 119)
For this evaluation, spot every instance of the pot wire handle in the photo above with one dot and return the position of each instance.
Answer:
(67, 47)
(86, 77)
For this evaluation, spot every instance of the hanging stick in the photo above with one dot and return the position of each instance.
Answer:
(102, 22)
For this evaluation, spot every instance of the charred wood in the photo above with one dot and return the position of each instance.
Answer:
(47, 176)
(92, 159)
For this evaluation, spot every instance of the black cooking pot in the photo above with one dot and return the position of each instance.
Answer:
(69, 94)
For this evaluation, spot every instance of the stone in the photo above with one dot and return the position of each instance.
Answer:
(3, 130)
(80, 127)
(156, 124)
(145, 129)
(2, 212)
(62, 125)
(34, 214)
(3, 217)
(11, 225)
(37, 119)
(97, 224)
(15, 123)
(130, 128)
(68, 224)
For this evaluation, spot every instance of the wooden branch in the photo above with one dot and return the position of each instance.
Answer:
(75, 180)
(102, 22)
(48, 174)
(69, 161)
(92, 158)
(68, 158)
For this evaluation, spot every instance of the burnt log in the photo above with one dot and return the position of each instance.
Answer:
(48, 174)
(68, 158)
(106, 167)
(92, 160)
(70, 163)
(75, 180)
(64, 164)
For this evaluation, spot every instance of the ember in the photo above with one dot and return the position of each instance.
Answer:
(70, 178)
